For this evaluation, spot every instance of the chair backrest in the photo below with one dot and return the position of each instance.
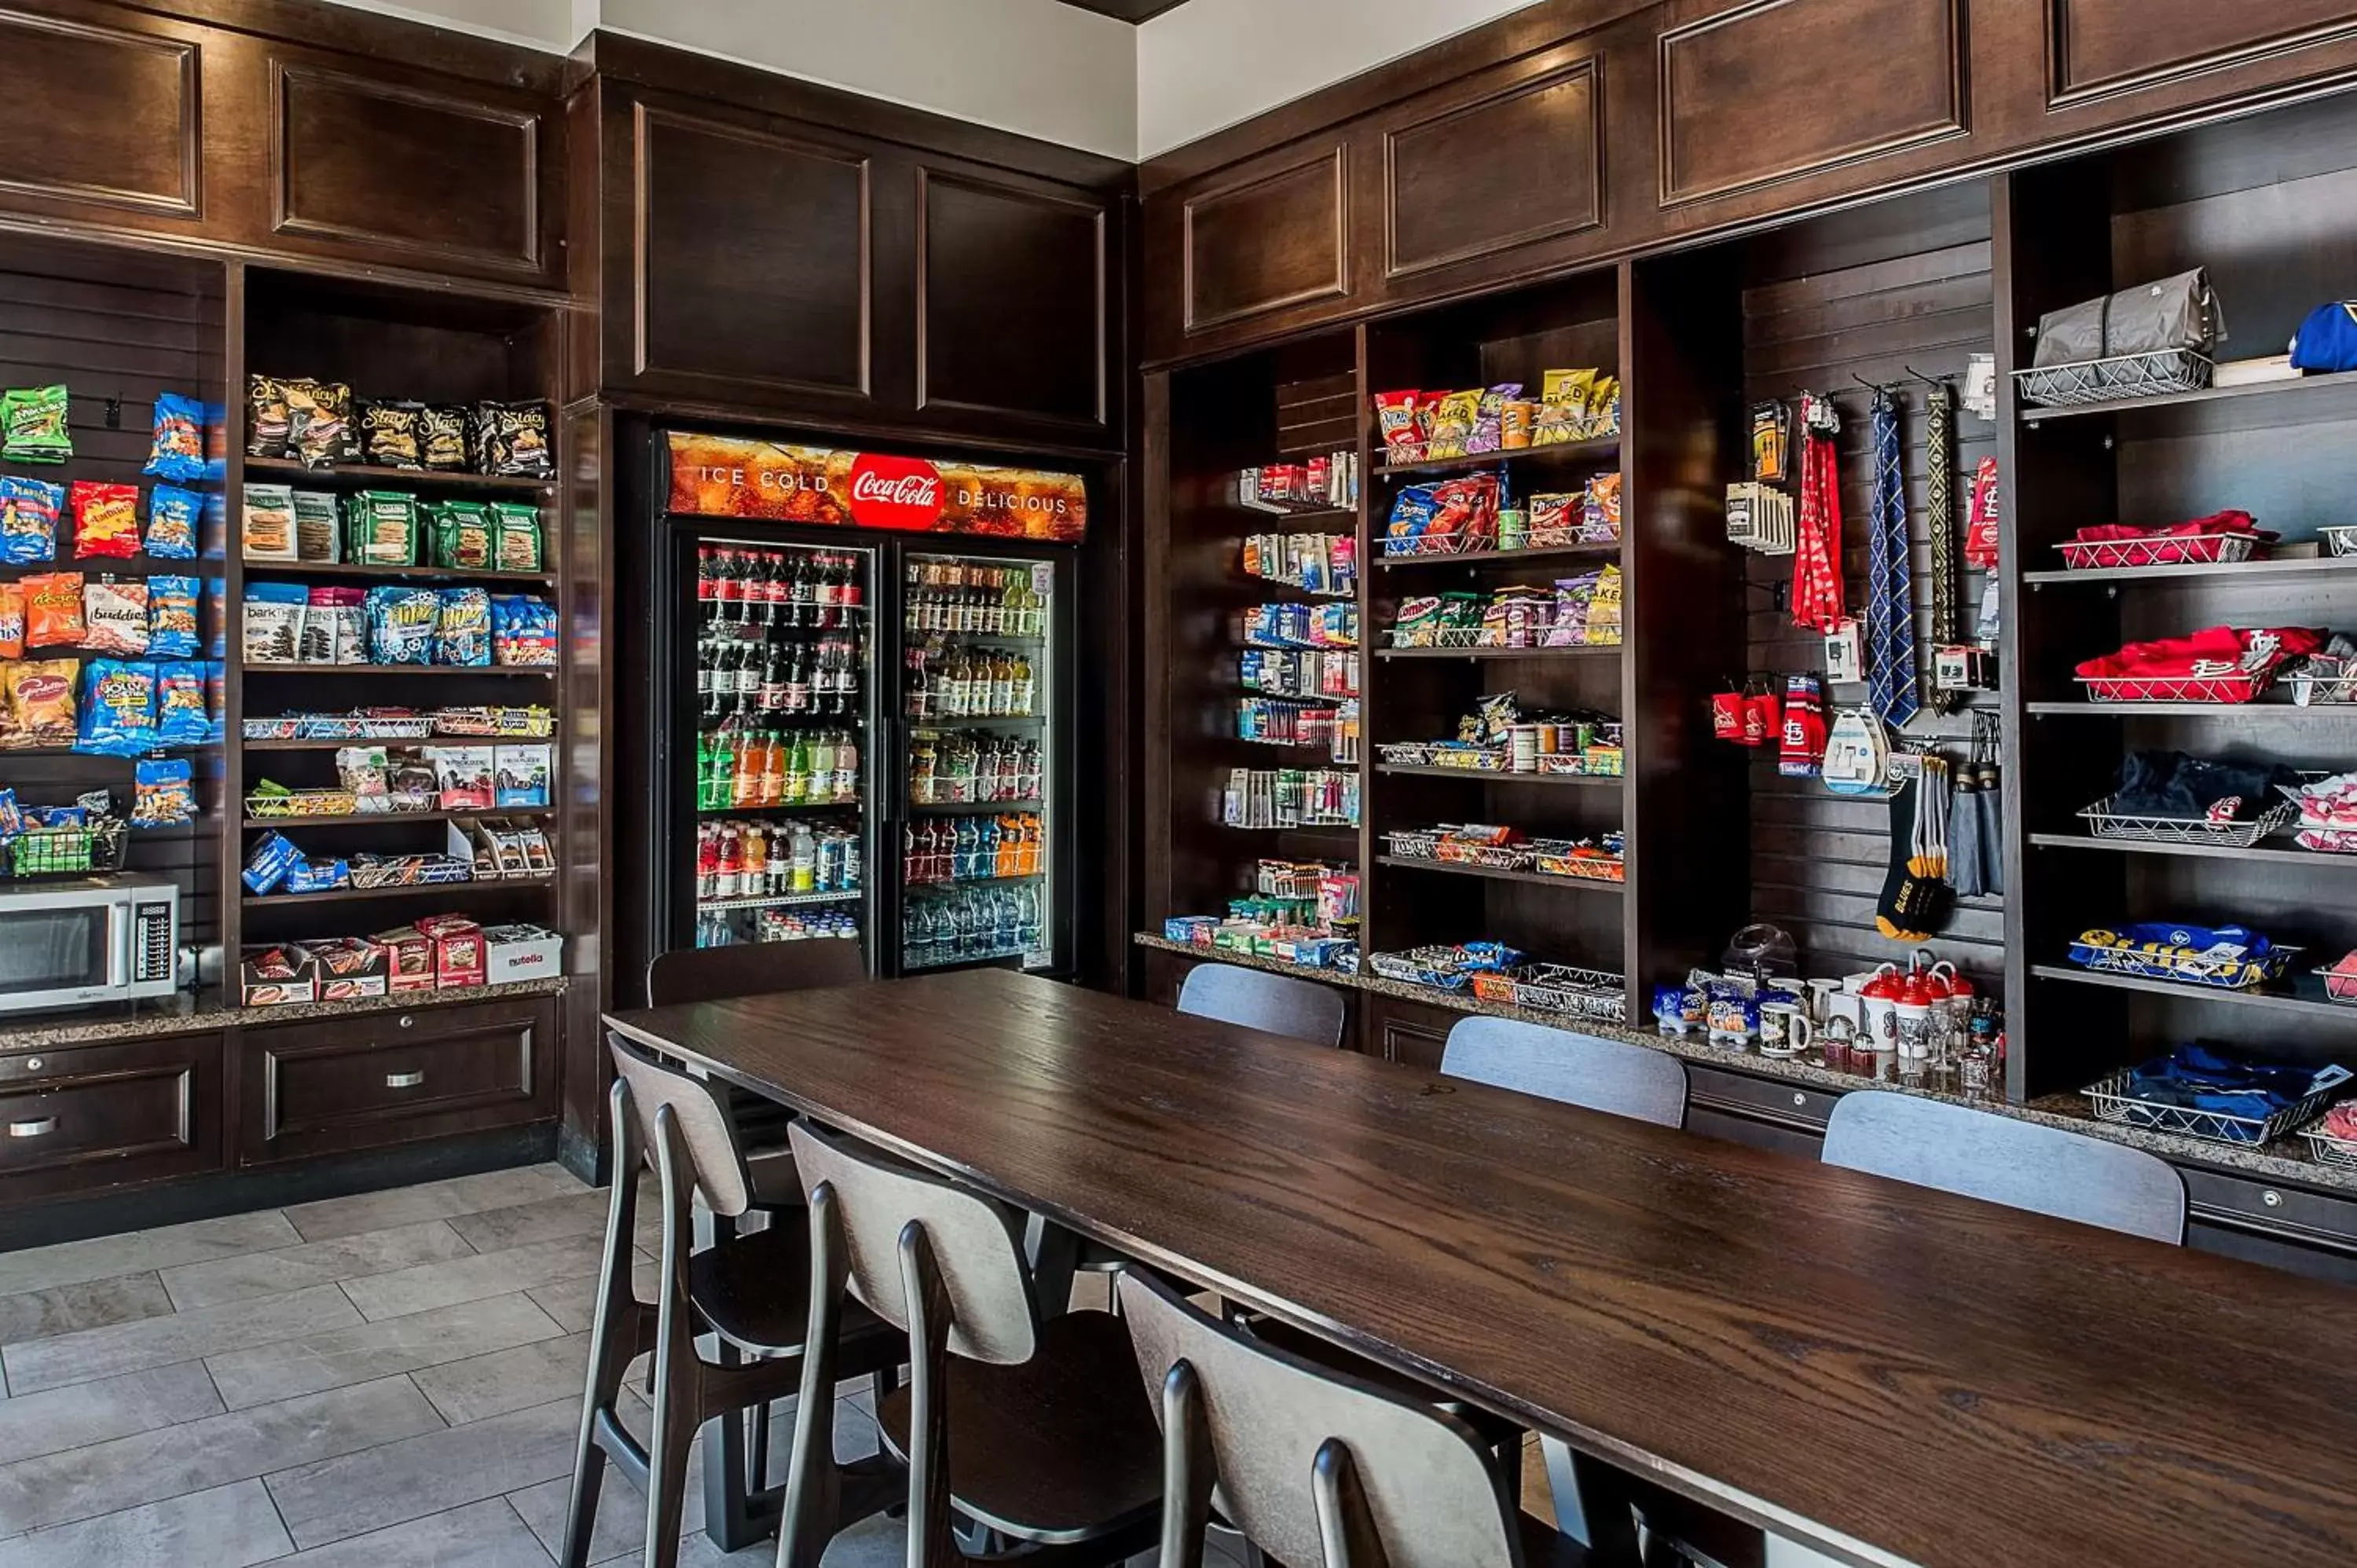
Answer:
(1432, 1497)
(976, 1244)
(1580, 1069)
(703, 1117)
(2022, 1164)
(752, 969)
(1259, 1000)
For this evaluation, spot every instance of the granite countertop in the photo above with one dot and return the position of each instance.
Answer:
(189, 1013)
(2286, 1159)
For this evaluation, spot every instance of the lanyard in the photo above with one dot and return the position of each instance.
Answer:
(1816, 562)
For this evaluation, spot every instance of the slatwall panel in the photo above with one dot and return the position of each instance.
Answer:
(1317, 416)
(116, 328)
(1826, 305)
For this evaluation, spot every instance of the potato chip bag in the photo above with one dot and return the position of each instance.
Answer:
(40, 696)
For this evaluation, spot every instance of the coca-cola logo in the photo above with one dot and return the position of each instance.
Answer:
(895, 492)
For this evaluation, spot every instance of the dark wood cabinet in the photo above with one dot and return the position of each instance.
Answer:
(81, 1118)
(393, 1077)
(1408, 1033)
(141, 155)
(1014, 299)
(2104, 46)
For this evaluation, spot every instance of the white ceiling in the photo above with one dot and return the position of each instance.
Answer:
(1037, 67)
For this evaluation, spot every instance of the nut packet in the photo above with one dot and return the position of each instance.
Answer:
(176, 448)
(181, 718)
(53, 617)
(33, 426)
(12, 620)
(107, 521)
(115, 615)
(29, 520)
(172, 514)
(41, 697)
(118, 713)
(163, 793)
(172, 617)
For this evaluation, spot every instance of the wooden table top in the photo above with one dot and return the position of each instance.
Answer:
(1885, 1373)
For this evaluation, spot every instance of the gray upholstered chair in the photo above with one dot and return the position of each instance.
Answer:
(2000, 1159)
(752, 1292)
(1031, 1427)
(1314, 1466)
(1259, 1000)
(1612, 1076)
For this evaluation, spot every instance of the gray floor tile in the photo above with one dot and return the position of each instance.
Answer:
(480, 1535)
(228, 1527)
(364, 1351)
(518, 1379)
(182, 1336)
(35, 1425)
(93, 1303)
(136, 1251)
(579, 1213)
(170, 1461)
(421, 1475)
(429, 1285)
(573, 1302)
(316, 1263)
(337, 1216)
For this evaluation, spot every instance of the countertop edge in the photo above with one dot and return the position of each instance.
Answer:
(215, 1010)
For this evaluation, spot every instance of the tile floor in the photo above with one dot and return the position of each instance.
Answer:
(390, 1381)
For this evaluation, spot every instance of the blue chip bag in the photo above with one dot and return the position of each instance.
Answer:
(164, 793)
(118, 709)
(12, 819)
(216, 701)
(172, 516)
(177, 451)
(182, 717)
(29, 520)
(172, 617)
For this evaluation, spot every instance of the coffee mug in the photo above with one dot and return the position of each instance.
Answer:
(1785, 1030)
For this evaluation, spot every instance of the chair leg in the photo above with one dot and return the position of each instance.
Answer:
(614, 1337)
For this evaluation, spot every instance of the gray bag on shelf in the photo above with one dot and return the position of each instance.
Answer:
(2175, 313)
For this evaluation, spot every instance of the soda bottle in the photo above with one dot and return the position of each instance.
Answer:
(1020, 689)
(822, 767)
(848, 592)
(986, 848)
(754, 878)
(846, 765)
(805, 860)
(797, 775)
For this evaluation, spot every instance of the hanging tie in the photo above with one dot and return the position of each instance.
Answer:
(1890, 589)
(1816, 561)
(1940, 520)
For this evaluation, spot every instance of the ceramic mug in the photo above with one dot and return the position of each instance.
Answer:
(1785, 1030)
(1911, 1024)
(1880, 1024)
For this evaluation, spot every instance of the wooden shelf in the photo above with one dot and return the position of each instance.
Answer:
(2208, 573)
(2192, 851)
(1560, 451)
(1577, 780)
(395, 818)
(1608, 650)
(2303, 398)
(366, 475)
(461, 890)
(402, 573)
(1488, 557)
(1574, 884)
(2186, 710)
(545, 672)
(2303, 995)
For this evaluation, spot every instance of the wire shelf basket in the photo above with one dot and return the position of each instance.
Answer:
(411, 871)
(2329, 1150)
(2105, 823)
(302, 804)
(1596, 762)
(92, 850)
(1593, 994)
(2339, 985)
(2339, 538)
(1422, 843)
(502, 723)
(2225, 973)
(1567, 857)
(2110, 1101)
(1440, 967)
(2322, 691)
(1458, 542)
(2235, 686)
(1406, 753)
(2154, 374)
(1490, 856)
(2178, 550)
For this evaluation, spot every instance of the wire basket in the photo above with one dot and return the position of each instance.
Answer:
(302, 803)
(1563, 857)
(2185, 969)
(2104, 823)
(1442, 968)
(1491, 856)
(2165, 550)
(1596, 762)
(1406, 753)
(1472, 758)
(2154, 374)
(1585, 992)
(2329, 1150)
(2339, 538)
(2339, 985)
(2322, 691)
(90, 851)
(2110, 1101)
(2236, 686)
(502, 723)
(1458, 542)
(412, 871)
(1419, 843)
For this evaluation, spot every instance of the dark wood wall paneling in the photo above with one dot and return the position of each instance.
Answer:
(1572, 132)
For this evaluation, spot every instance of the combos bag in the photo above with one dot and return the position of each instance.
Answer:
(2327, 340)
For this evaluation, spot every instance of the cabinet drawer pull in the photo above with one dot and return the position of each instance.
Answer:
(39, 1127)
(404, 1079)
(1799, 1100)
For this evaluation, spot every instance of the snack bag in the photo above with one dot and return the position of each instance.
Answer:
(402, 624)
(1600, 510)
(181, 718)
(216, 701)
(462, 534)
(334, 627)
(212, 537)
(274, 621)
(53, 615)
(33, 424)
(523, 630)
(40, 694)
(12, 620)
(118, 713)
(163, 793)
(1490, 415)
(29, 520)
(510, 439)
(172, 617)
(176, 449)
(1563, 406)
(442, 436)
(268, 416)
(268, 533)
(462, 633)
(319, 424)
(106, 520)
(389, 435)
(1395, 417)
(381, 529)
(114, 615)
(515, 537)
(318, 532)
(172, 514)
(1452, 426)
(273, 855)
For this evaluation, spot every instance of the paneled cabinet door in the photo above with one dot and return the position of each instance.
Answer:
(105, 116)
(1253, 249)
(84, 1118)
(2100, 47)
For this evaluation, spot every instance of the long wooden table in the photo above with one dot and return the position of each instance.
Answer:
(1885, 1373)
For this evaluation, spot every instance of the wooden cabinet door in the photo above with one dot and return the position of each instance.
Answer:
(85, 1118)
(1408, 1034)
(391, 1078)
(1253, 249)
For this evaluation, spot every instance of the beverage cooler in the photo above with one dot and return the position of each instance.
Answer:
(867, 733)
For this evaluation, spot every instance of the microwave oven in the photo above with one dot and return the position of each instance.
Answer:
(72, 944)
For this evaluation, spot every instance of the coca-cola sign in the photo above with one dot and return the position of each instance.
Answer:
(727, 476)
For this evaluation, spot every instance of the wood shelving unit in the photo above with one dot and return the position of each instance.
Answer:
(1490, 874)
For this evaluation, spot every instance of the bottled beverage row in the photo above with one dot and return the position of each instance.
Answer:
(736, 766)
(774, 860)
(817, 677)
(740, 587)
(973, 596)
(735, 928)
(971, 924)
(972, 849)
(969, 683)
(960, 767)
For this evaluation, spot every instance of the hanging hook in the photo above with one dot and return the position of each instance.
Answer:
(1938, 383)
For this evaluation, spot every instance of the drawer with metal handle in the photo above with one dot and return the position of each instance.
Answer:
(78, 1118)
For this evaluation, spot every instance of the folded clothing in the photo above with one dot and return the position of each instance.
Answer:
(2197, 1076)
(2340, 1121)
(2239, 522)
(2143, 670)
(2173, 784)
(2230, 956)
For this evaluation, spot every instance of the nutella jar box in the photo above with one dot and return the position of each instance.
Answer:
(348, 968)
(409, 959)
(457, 950)
(520, 952)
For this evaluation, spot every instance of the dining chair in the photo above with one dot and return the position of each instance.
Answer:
(1278, 1003)
(1031, 1427)
(2001, 1159)
(1316, 1467)
(1597, 1074)
(752, 1292)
